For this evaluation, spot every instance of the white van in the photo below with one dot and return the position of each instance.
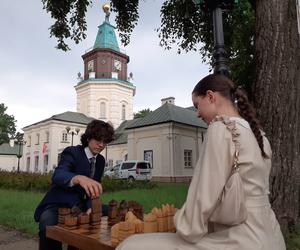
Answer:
(131, 170)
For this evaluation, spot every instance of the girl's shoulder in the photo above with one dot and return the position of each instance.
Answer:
(227, 126)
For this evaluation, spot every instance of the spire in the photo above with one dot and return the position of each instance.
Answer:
(106, 37)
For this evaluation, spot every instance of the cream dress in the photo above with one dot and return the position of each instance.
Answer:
(260, 231)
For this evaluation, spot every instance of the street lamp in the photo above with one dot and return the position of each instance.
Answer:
(72, 133)
(20, 142)
(217, 6)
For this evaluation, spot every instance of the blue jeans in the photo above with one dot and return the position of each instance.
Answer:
(48, 218)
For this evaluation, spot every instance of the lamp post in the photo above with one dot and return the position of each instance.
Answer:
(20, 142)
(72, 133)
(217, 7)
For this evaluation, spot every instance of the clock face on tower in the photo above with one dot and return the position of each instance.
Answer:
(117, 65)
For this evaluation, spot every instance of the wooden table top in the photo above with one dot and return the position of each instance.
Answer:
(85, 239)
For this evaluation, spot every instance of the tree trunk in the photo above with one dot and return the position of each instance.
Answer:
(276, 93)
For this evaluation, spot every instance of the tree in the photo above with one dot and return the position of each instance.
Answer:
(7, 125)
(142, 113)
(277, 98)
(263, 48)
(183, 25)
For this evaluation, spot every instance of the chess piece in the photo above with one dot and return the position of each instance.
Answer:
(62, 213)
(115, 234)
(71, 222)
(150, 223)
(125, 230)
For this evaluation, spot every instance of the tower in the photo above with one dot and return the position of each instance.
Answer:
(105, 92)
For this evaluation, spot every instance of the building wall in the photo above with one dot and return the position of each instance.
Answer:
(115, 153)
(91, 94)
(54, 145)
(186, 138)
(8, 162)
(167, 142)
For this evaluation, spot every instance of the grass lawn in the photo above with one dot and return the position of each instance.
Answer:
(17, 208)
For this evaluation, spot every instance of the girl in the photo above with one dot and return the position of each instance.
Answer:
(231, 125)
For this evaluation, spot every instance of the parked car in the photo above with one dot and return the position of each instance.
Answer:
(131, 170)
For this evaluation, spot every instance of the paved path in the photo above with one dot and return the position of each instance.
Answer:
(14, 240)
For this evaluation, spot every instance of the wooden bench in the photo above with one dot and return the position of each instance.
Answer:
(84, 239)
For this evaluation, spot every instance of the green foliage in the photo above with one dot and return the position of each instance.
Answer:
(293, 239)
(126, 17)
(17, 207)
(25, 181)
(112, 185)
(183, 25)
(142, 113)
(69, 18)
(7, 125)
(186, 26)
(41, 182)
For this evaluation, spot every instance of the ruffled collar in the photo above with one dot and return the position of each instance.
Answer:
(231, 126)
(239, 120)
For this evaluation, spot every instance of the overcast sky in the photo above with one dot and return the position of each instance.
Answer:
(37, 80)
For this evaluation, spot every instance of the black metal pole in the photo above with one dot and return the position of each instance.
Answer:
(220, 66)
(19, 156)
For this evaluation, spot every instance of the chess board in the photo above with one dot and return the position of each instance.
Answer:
(91, 238)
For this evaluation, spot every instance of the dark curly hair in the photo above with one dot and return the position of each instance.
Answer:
(224, 86)
(98, 130)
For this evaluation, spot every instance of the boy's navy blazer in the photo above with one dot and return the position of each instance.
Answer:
(73, 162)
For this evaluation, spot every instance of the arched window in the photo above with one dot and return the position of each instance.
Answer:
(102, 110)
(123, 112)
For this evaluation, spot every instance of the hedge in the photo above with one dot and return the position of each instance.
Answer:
(41, 182)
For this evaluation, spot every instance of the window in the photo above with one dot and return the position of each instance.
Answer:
(64, 137)
(46, 160)
(187, 158)
(37, 139)
(28, 164)
(110, 163)
(36, 163)
(29, 141)
(143, 165)
(123, 112)
(47, 136)
(102, 110)
(116, 169)
(148, 156)
(128, 165)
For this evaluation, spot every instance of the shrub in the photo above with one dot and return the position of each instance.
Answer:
(42, 182)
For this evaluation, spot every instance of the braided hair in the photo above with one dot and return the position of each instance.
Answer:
(226, 88)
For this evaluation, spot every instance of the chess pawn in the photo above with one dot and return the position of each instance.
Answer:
(115, 234)
(160, 221)
(150, 223)
(164, 210)
(139, 226)
(125, 230)
(113, 209)
(71, 222)
(171, 213)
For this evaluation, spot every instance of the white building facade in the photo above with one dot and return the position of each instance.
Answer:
(170, 137)
(46, 139)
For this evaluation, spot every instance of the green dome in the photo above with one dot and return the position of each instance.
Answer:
(106, 37)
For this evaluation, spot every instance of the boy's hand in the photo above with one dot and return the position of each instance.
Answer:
(91, 187)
